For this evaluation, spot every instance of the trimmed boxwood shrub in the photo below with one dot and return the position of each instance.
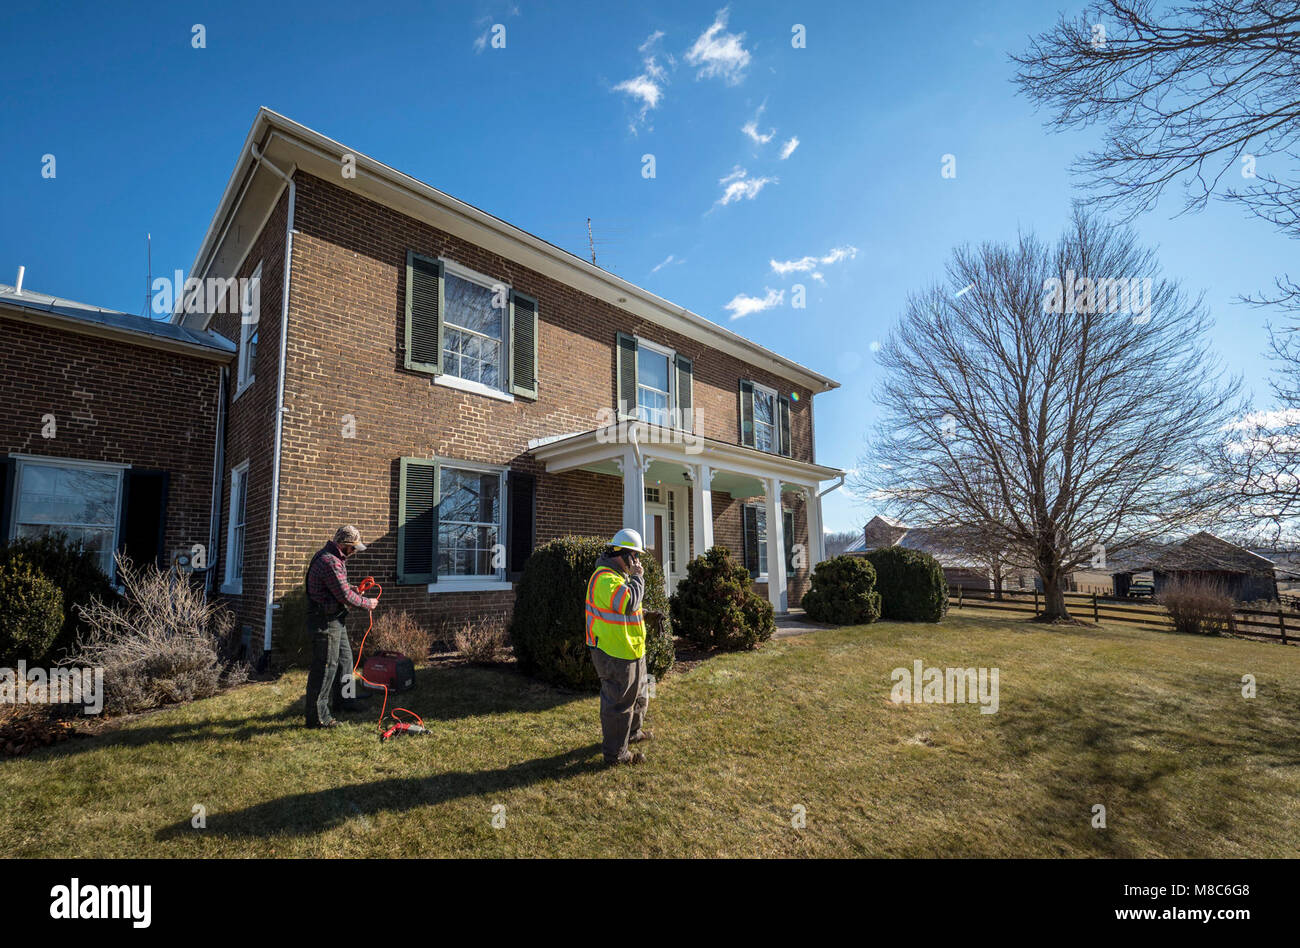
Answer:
(911, 585)
(31, 613)
(715, 605)
(548, 626)
(75, 572)
(843, 592)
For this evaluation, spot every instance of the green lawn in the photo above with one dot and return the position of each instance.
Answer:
(1151, 725)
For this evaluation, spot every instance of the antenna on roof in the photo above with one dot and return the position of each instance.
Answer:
(591, 241)
(148, 280)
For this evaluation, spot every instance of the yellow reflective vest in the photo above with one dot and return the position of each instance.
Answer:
(612, 625)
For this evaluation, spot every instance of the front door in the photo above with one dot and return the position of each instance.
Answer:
(656, 517)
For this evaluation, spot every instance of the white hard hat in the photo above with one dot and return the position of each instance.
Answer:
(628, 540)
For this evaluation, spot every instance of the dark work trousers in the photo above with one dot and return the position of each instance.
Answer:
(624, 686)
(331, 664)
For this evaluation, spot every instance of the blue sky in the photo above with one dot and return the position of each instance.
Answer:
(550, 130)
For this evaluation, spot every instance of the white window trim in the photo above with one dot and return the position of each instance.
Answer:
(107, 467)
(469, 385)
(453, 584)
(235, 587)
(674, 411)
(762, 544)
(776, 420)
(245, 374)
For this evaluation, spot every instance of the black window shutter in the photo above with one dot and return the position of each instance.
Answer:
(6, 497)
(523, 345)
(424, 307)
(142, 521)
(685, 392)
(625, 371)
(783, 410)
(521, 492)
(747, 412)
(787, 522)
(417, 522)
(749, 516)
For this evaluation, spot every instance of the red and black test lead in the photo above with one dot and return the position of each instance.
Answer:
(398, 726)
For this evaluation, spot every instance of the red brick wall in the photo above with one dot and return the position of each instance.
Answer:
(250, 422)
(114, 402)
(345, 357)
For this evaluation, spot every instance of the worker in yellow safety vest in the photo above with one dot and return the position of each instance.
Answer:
(616, 641)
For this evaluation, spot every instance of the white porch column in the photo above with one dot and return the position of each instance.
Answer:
(816, 535)
(633, 493)
(701, 508)
(777, 594)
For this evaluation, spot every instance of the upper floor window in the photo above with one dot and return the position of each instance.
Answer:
(653, 383)
(473, 328)
(250, 314)
(468, 330)
(654, 399)
(764, 418)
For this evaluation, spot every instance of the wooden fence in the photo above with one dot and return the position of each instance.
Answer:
(1279, 625)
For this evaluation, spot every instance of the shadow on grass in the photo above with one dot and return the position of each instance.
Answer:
(303, 814)
(440, 694)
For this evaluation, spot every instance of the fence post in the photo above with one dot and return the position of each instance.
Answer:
(1096, 613)
(960, 592)
(1035, 601)
(1281, 622)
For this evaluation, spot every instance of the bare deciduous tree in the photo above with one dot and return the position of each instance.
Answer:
(837, 543)
(1047, 430)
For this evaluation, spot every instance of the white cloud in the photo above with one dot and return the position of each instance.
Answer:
(718, 53)
(738, 185)
(742, 305)
(810, 264)
(671, 258)
(751, 129)
(788, 148)
(648, 87)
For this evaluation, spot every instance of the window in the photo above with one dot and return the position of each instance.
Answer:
(469, 522)
(473, 329)
(653, 383)
(754, 523)
(250, 309)
(764, 419)
(652, 495)
(79, 499)
(235, 532)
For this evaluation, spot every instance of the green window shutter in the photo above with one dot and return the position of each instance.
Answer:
(783, 423)
(685, 393)
(424, 308)
(747, 412)
(625, 372)
(523, 345)
(749, 532)
(417, 522)
(787, 522)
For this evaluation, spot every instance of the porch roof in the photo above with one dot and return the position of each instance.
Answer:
(600, 446)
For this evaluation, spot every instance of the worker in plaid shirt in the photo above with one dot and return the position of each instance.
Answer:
(328, 596)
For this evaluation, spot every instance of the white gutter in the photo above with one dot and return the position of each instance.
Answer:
(218, 477)
(279, 397)
(826, 490)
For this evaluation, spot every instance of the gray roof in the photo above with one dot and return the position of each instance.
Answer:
(112, 319)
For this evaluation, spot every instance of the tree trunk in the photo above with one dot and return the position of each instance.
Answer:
(997, 583)
(1054, 607)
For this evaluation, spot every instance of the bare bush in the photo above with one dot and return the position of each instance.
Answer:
(1198, 607)
(160, 645)
(480, 644)
(399, 632)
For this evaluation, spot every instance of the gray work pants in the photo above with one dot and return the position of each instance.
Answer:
(623, 699)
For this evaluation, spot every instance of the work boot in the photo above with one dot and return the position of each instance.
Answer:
(642, 735)
(629, 757)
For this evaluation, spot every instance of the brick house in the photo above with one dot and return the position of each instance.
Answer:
(463, 391)
(109, 428)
